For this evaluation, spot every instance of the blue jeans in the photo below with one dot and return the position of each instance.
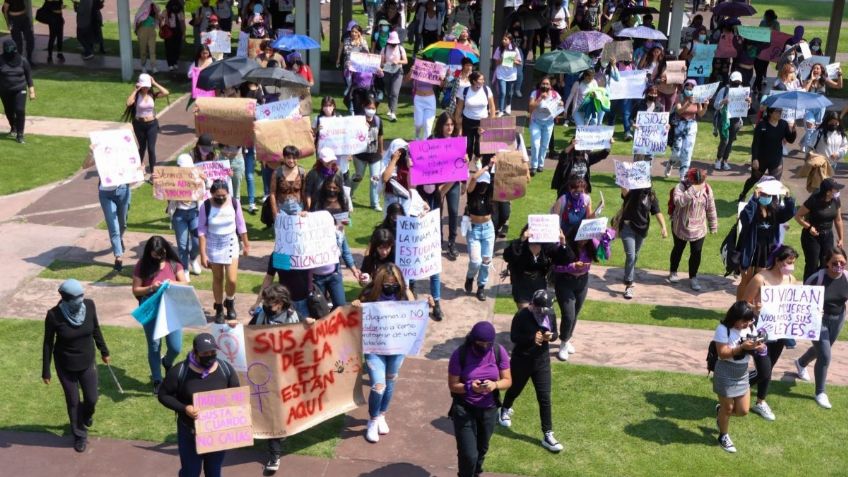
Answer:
(505, 89)
(632, 242)
(332, 284)
(184, 222)
(359, 166)
(115, 205)
(684, 145)
(625, 107)
(519, 81)
(250, 171)
(481, 245)
(383, 373)
(174, 340)
(301, 307)
(237, 165)
(540, 138)
(435, 286)
(190, 462)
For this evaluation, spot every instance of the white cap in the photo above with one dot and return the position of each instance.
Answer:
(184, 160)
(144, 81)
(326, 155)
(736, 76)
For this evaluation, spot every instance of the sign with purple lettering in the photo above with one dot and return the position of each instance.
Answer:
(418, 245)
(223, 419)
(307, 242)
(429, 72)
(651, 135)
(178, 183)
(116, 156)
(791, 311)
(436, 161)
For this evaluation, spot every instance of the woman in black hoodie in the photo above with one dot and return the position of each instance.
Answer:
(528, 265)
(575, 163)
(15, 81)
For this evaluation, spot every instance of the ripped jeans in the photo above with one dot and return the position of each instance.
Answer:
(481, 245)
(383, 373)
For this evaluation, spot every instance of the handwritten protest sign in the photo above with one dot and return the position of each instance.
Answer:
(703, 92)
(833, 69)
(592, 138)
(620, 50)
(511, 177)
(630, 85)
(196, 92)
(178, 183)
(364, 62)
(223, 419)
(675, 72)
(215, 169)
(543, 228)
(345, 135)
(179, 308)
(791, 311)
(737, 104)
(701, 65)
(806, 66)
(275, 134)
(230, 340)
(418, 245)
(633, 175)
(498, 134)
(300, 376)
(116, 157)
(428, 71)
(218, 41)
(283, 109)
(228, 120)
(773, 52)
(394, 327)
(591, 229)
(805, 49)
(758, 34)
(508, 59)
(651, 135)
(436, 161)
(301, 92)
(303, 243)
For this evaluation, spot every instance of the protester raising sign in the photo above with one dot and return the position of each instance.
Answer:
(116, 156)
(620, 50)
(651, 133)
(497, 134)
(775, 49)
(228, 120)
(806, 66)
(791, 311)
(593, 138)
(591, 229)
(675, 72)
(223, 419)
(737, 102)
(833, 70)
(307, 242)
(543, 228)
(701, 65)
(429, 72)
(283, 109)
(758, 34)
(436, 161)
(702, 93)
(394, 327)
(364, 62)
(633, 175)
(630, 85)
(510, 177)
(218, 41)
(275, 134)
(345, 135)
(179, 308)
(178, 183)
(418, 245)
(302, 375)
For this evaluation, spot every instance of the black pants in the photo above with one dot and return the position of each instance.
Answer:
(275, 447)
(774, 169)
(570, 294)
(79, 412)
(815, 249)
(761, 375)
(146, 134)
(695, 247)
(452, 198)
(57, 32)
(555, 36)
(760, 69)
(473, 428)
(725, 145)
(471, 130)
(22, 31)
(500, 214)
(14, 107)
(85, 37)
(173, 48)
(539, 370)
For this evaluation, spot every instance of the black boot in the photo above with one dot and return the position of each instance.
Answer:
(481, 293)
(503, 231)
(469, 283)
(49, 59)
(61, 58)
(219, 313)
(452, 255)
(438, 315)
(230, 305)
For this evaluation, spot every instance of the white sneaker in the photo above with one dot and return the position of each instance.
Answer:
(823, 401)
(372, 434)
(726, 444)
(801, 371)
(194, 267)
(508, 109)
(673, 278)
(628, 293)
(505, 417)
(499, 114)
(763, 410)
(725, 167)
(695, 285)
(569, 347)
(550, 443)
(668, 166)
(563, 354)
(188, 277)
(717, 165)
(382, 425)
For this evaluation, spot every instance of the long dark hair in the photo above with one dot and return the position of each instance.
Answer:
(780, 253)
(380, 236)
(339, 182)
(822, 129)
(149, 266)
(575, 247)
(739, 311)
(440, 125)
(201, 49)
(394, 209)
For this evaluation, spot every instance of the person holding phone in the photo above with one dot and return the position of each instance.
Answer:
(532, 329)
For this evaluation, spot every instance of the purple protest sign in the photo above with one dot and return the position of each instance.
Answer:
(429, 72)
(436, 161)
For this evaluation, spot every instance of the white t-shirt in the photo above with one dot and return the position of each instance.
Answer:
(542, 112)
(476, 102)
(735, 338)
(507, 73)
(559, 17)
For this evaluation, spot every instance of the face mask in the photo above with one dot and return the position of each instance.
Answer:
(764, 201)
(702, 38)
(390, 290)
(832, 127)
(687, 93)
(205, 150)
(650, 99)
(791, 58)
(385, 29)
(74, 303)
(219, 200)
(481, 349)
(787, 269)
(836, 195)
(268, 311)
(206, 361)
(575, 196)
(545, 88)
(815, 47)
(837, 268)
(328, 111)
(429, 189)
(370, 112)
(330, 193)
(736, 84)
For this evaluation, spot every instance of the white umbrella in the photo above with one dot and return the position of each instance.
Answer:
(642, 32)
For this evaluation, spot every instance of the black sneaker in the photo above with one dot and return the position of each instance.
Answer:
(119, 265)
(80, 443)
(272, 466)
(61, 58)
(469, 284)
(88, 422)
(503, 231)
(481, 293)
(532, 172)
(438, 315)
(452, 255)
(156, 386)
(725, 443)
(20, 139)
(219, 313)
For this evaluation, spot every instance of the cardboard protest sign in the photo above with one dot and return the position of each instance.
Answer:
(178, 183)
(791, 311)
(215, 170)
(701, 65)
(543, 228)
(178, 309)
(651, 135)
(283, 109)
(498, 134)
(275, 134)
(116, 157)
(620, 50)
(702, 93)
(418, 245)
(364, 62)
(224, 419)
(218, 41)
(230, 341)
(394, 327)
(773, 52)
(630, 85)
(428, 71)
(302, 375)
(633, 175)
(196, 92)
(593, 138)
(511, 177)
(345, 135)
(806, 66)
(436, 161)
(228, 120)
(725, 47)
(758, 34)
(301, 92)
(737, 104)
(675, 72)
(591, 229)
(303, 243)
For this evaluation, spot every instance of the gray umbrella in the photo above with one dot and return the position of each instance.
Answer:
(275, 76)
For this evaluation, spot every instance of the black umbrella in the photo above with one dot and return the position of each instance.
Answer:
(531, 20)
(638, 10)
(275, 76)
(226, 73)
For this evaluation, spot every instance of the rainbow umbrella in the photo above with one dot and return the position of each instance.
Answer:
(450, 52)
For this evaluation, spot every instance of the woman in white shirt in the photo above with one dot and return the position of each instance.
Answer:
(558, 13)
(508, 59)
(473, 104)
(829, 139)
(544, 103)
(392, 59)
(578, 92)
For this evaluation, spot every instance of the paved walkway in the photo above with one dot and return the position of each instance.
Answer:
(50, 126)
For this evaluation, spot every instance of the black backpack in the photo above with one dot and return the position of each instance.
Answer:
(463, 355)
(731, 257)
(183, 372)
(712, 354)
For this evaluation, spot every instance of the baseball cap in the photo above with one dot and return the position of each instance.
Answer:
(327, 155)
(144, 81)
(829, 184)
(736, 76)
(204, 342)
(542, 301)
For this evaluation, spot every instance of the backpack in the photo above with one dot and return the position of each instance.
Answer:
(465, 93)
(712, 354)
(181, 377)
(731, 257)
(463, 354)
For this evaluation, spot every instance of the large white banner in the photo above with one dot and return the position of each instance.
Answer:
(630, 85)
(418, 245)
(116, 157)
(307, 242)
(394, 327)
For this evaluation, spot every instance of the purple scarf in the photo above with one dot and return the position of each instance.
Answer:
(193, 360)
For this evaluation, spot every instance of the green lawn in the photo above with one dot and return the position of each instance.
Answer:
(42, 160)
(28, 405)
(793, 10)
(616, 422)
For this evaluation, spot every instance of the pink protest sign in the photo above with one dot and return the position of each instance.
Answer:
(775, 49)
(429, 72)
(436, 161)
(195, 91)
(224, 420)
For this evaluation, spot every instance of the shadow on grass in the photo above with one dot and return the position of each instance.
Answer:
(510, 434)
(664, 313)
(133, 388)
(681, 406)
(665, 432)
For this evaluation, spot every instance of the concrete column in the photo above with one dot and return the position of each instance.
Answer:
(676, 25)
(347, 12)
(125, 39)
(300, 7)
(335, 27)
(833, 30)
(485, 45)
(315, 54)
(665, 10)
(500, 20)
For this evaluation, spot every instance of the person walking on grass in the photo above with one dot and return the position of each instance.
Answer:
(15, 82)
(819, 217)
(693, 213)
(638, 205)
(141, 110)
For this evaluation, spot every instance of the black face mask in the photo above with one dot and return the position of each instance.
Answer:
(736, 84)
(219, 200)
(330, 194)
(650, 99)
(268, 311)
(206, 361)
(545, 88)
(480, 350)
(832, 127)
(391, 289)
